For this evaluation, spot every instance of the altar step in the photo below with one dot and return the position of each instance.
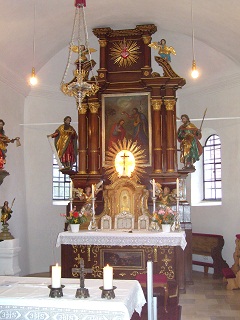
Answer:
(173, 308)
(174, 313)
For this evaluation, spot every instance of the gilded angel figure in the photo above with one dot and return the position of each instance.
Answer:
(163, 50)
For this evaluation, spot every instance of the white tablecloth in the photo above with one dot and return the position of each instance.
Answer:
(28, 298)
(117, 238)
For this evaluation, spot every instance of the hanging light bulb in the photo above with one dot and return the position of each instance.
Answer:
(33, 79)
(194, 72)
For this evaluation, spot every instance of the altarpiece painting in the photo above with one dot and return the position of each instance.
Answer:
(127, 116)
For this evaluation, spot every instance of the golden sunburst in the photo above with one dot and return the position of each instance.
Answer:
(125, 53)
(125, 146)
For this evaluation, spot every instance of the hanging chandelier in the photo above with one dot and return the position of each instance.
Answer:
(80, 86)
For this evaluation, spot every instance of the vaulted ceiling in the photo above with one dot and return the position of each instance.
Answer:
(216, 25)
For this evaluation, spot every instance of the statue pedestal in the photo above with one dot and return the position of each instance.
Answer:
(9, 250)
(5, 234)
(3, 174)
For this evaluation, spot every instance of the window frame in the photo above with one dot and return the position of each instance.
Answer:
(62, 182)
(214, 163)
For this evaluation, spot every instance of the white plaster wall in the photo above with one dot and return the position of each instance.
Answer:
(13, 186)
(223, 106)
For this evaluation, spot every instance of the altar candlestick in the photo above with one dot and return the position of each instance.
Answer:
(107, 277)
(154, 187)
(56, 276)
(177, 187)
(92, 191)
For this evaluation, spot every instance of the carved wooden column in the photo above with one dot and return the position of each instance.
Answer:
(102, 71)
(103, 44)
(171, 135)
(93, 135)
(157, 135)
(147, 50)
(82, 139)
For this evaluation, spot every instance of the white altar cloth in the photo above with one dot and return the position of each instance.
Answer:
(28, 298)
(118, 238)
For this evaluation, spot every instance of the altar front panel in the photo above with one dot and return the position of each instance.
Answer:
(126, 260)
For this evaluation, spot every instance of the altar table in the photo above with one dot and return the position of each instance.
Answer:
(118, 238)
(126, 252)
(28, 298)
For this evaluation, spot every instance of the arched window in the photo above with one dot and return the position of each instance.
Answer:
(212, 171)
(61, 183)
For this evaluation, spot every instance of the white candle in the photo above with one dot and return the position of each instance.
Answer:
(150, 289)
(154, 188)
(92, 190)
(177, 187)
(56, 276)
(107, 277)
(71, 190)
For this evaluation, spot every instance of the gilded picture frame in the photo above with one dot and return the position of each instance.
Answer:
(127, 115)
(123, 258)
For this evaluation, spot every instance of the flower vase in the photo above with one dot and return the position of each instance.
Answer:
(74, 228)
(166, 227)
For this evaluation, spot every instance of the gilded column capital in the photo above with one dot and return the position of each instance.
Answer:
(170, 104)
(83, 108)
(156, 104)
(146, 39)
(102, 42)
(94, 106)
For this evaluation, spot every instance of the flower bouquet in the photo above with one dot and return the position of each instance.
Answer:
(164, 215)
(75, 217)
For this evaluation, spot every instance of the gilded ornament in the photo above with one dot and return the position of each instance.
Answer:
(94, 106)
(129, 145)
(146, 73)
(125, 53)
(82, 109)
(169, 104)
(102, 43)
(156, 104)
(146, 39)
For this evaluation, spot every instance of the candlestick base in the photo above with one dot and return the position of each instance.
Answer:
(108, 293)
(56, 292)
(82, 293)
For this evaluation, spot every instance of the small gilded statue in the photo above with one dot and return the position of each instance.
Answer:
(4, 141)
(6, 212)
(163, 50)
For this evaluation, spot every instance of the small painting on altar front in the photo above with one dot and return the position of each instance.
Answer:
(127, 116)
(123, 258)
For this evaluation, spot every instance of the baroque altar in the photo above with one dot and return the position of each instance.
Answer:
(132, 98)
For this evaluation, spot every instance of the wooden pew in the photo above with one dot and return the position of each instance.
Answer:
(232, 275)
(210, 245)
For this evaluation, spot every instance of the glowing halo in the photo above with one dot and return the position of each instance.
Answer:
(133, 148)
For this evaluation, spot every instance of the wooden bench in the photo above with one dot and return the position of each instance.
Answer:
(210, 245)
(232, 275)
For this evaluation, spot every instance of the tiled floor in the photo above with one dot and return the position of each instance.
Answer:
(208, 299)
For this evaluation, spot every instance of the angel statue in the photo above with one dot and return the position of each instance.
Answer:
(158, 187)
(83, 51)
(163, 50)
(87, 196)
